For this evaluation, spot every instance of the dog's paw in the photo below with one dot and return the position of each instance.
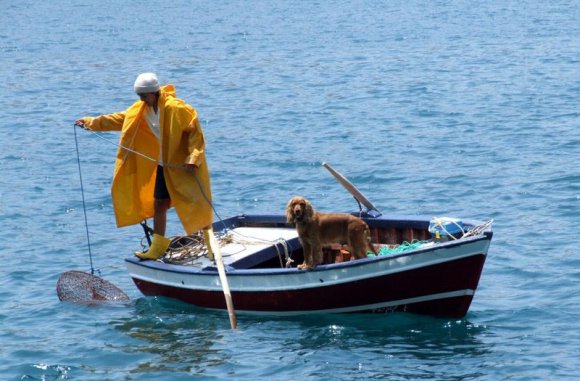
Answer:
(306, 267)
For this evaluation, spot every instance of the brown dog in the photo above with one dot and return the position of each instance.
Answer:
(316, 229)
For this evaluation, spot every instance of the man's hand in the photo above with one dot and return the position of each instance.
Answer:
(81, 123)
(190, 167)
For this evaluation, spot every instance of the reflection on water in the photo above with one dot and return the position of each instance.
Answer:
(436, 108)
(422, 337)
(182, 337)
(380, 344)
(45, 372)
(189, 340)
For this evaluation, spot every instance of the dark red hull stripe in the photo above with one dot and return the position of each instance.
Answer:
(444, 289)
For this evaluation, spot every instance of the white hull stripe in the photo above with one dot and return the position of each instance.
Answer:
(385, 305)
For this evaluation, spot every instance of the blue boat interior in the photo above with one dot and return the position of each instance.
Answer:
(389, 231)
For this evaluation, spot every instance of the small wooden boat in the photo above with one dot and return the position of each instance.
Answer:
(435, 275)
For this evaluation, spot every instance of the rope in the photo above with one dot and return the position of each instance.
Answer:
(84, 204)
(475, 231)
(171, 166)
(416, 244)
(439, 223)
(123, 147)
(479, 229)
(189, 248)
(279, 241)
(186, 249)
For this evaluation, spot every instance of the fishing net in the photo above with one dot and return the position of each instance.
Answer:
(83, 288)
(402, 248)
(417, 244)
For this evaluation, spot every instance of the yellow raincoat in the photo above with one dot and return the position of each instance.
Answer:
(134, 177)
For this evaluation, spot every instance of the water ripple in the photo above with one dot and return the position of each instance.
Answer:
(441, 109)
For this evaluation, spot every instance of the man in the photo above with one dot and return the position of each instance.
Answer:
(160, 162)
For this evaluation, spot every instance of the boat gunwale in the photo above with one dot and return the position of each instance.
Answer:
(212, 270)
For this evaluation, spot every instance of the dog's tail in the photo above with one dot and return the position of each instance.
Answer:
(371, 247)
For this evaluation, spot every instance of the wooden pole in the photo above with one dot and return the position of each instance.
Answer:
(214, 247)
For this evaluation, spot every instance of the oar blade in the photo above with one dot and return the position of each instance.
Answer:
(351, 188)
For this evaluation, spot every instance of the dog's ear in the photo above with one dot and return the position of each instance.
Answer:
(289, 213)
(308, 210)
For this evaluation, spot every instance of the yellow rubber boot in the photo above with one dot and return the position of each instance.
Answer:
(157, 249)
(207, 241)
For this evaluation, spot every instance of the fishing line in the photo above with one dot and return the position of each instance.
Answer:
(123, 147)
(80, 287)
(171, 166)
(83, 197)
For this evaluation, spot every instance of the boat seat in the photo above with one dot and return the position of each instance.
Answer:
(251, 246)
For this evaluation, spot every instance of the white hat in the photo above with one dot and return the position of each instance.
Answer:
(146, 83)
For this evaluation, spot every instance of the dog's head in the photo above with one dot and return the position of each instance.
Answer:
(299, 210)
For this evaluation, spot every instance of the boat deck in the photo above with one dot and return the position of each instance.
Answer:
(241, 245)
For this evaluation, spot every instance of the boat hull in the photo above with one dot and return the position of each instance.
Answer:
(440, 281)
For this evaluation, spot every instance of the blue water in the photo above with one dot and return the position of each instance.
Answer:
(444, 108)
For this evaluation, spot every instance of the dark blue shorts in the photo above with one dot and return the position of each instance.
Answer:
(161, 192)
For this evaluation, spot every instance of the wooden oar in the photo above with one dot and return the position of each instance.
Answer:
(214, 248)
(351, 188)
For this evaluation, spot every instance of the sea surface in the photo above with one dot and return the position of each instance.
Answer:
(467, 109)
